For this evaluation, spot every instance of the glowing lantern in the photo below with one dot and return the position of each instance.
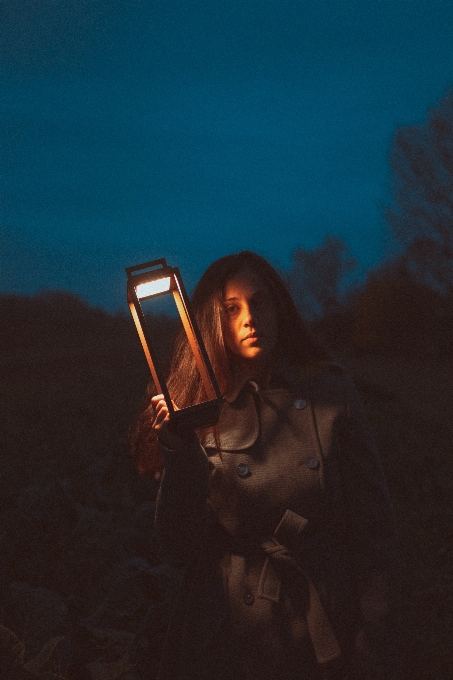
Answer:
(153, 279)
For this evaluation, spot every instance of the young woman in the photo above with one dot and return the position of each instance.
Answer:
(280, 515)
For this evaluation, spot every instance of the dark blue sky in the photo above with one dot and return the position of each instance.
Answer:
(138, 129)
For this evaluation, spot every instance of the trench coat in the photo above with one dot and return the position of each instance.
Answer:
(286, 537)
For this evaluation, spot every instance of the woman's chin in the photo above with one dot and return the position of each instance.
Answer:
(252, 353)
(255, 356)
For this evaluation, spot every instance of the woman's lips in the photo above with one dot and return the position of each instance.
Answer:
(252, 336)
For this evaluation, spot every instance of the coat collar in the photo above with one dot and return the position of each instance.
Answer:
(239, 425)
(281, 376)
(284, 375)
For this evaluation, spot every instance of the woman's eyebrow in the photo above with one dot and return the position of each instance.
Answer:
(261, 291)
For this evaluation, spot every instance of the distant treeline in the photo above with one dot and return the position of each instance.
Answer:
(392, 313)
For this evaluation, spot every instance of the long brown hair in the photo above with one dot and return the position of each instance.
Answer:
(294, 343)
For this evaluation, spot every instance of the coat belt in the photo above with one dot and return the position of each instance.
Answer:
(278, 559)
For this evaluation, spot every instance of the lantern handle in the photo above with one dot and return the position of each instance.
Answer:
(146, 265)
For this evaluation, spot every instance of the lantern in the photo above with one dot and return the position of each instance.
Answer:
(153, 279)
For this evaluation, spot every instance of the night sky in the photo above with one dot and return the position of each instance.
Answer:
(140, 129)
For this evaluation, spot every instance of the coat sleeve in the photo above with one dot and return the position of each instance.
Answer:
(182, 515)
(372, 543)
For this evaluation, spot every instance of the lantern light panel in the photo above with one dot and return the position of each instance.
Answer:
(145, 290)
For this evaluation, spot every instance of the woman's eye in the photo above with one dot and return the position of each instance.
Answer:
(231, 309)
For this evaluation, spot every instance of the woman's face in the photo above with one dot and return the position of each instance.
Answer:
(250, 326)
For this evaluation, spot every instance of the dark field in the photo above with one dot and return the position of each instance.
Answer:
(84, 594)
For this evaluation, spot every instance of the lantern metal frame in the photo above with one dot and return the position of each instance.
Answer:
(141, 278)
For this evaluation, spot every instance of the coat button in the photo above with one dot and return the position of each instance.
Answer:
(243, 470)
(248, 598)
(312, 463)
(300, 404)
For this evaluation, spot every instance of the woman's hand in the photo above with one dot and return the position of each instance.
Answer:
(161, 413)
(170, 436)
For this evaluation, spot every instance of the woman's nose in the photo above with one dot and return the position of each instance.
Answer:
(249, 316)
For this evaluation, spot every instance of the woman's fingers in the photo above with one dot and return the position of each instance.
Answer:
(155, 400)
(171, 438)
(161, 413)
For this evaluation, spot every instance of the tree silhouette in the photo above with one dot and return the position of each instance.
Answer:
(397, 314)
(316, 277)
(421, 217)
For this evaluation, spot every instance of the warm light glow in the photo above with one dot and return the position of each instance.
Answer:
(144, 290)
